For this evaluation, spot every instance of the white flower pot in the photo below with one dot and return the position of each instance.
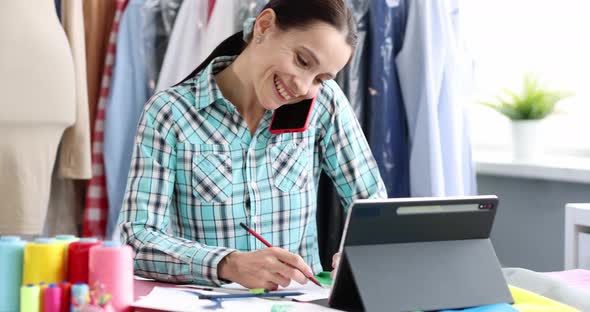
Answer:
(527, 139)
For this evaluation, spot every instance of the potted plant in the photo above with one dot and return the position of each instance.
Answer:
(526, 110)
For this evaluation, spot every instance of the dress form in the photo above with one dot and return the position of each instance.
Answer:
(37, 103)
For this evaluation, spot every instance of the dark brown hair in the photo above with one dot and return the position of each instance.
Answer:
(293, 14)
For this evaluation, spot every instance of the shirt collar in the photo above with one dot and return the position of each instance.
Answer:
(207, 91)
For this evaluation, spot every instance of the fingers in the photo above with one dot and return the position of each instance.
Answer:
(335, 260)
(289, 272)
(293, 260)
(270, 286)
(279, 279)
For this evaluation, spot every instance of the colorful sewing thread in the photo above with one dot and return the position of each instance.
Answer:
(11, 272)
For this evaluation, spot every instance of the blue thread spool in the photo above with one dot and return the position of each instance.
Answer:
(11, 272)
(80, 292)
(66, 237)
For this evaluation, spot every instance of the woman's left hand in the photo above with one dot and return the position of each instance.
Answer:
(335, 261)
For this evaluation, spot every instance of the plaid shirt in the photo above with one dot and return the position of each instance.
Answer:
(197, 172)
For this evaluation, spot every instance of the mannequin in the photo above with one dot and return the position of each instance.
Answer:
(37, 103)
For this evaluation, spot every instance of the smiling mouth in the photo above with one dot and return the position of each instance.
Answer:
(281, 89)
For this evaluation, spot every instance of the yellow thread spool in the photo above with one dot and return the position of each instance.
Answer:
(64, 240)
(43, 261)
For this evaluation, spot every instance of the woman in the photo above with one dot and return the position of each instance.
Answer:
(204, 159)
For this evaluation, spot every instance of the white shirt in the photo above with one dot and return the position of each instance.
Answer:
(431, 68)
(184, 46)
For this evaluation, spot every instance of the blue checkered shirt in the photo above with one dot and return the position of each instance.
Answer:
(197, 172)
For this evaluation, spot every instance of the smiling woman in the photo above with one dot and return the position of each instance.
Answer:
(205, 160)
(284, 67)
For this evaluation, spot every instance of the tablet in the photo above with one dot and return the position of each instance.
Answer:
(408, 254)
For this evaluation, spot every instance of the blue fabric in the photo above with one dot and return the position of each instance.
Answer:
(58, 9)
(500, 307)
(386, 116)
(434, 79)
(129, 93)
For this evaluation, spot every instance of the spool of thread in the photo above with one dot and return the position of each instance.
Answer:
(43, 262)
(51, 298)
(65, 240)
(111, 265)
(11, 272)
(79, 296)
(78, 259)
(29, 298)
(66, 289)
(42, 286)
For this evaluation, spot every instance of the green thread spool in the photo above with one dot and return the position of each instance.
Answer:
(30, 298)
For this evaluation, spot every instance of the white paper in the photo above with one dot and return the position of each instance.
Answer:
(310, 290)
(175, 299)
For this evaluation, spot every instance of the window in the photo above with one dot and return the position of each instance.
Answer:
(506, 39)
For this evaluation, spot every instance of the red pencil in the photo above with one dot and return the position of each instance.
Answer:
(260, 238)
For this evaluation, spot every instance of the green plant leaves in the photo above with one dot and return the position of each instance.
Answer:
(535, 101)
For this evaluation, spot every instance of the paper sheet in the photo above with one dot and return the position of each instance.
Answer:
(175, 299)
(310, 290)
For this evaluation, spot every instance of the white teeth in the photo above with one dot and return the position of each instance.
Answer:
(281, 89)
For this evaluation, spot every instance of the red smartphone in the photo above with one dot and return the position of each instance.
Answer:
(292, 117)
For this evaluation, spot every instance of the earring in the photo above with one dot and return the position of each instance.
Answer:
(259, 39)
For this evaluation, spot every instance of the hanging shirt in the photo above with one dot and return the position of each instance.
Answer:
(210, 9)
(387, 126)
(433, 83)
(249, 8)
(184, 46)
(197, 172)
(98, 21)
(223, 23)
(96, 207)
(129, 92)
(159, 17)
(353, 77)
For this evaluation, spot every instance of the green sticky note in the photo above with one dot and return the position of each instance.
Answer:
(281, 308)
(324, 278)
(258, 290)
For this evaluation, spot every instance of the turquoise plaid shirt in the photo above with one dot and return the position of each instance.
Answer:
(197, 172)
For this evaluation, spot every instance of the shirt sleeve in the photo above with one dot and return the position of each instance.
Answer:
(346, 156)
(144, 217)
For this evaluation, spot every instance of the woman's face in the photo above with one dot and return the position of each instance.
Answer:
(289, 66)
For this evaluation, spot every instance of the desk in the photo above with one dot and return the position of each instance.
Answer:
(579, 279)
(577, 222)
(143, 287)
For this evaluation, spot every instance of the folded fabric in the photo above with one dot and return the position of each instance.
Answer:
(550, 286)
(526, 301)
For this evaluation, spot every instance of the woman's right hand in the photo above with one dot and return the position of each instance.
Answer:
(265, 268)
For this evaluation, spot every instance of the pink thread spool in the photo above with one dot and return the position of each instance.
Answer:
(52, 298)
(111, 264)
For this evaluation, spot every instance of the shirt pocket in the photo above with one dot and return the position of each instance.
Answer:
(212, 176)
(289, 167)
